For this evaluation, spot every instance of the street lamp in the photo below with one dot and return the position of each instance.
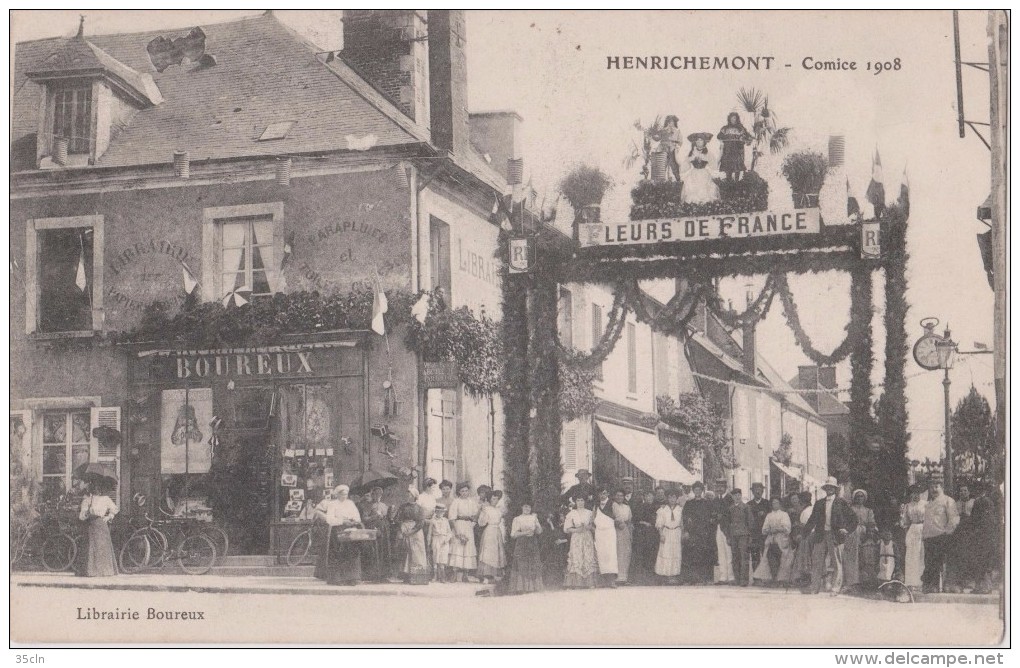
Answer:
(945, 348)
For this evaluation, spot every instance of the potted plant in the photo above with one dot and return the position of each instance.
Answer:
(805, 170)
(584, 187)
(765, 128)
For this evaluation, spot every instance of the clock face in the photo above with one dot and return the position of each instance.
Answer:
(925, 352)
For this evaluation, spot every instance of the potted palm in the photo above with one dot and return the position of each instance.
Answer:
(805, 170)
(765, 128)
(585, 187)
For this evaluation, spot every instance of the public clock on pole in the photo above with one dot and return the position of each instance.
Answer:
(926, 349)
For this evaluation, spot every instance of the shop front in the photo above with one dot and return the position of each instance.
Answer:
(248, 438)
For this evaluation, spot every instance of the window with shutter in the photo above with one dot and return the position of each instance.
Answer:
(107, 450)
(570, 449)
(439, 234)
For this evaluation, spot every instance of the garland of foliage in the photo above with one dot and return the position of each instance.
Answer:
(662, 200)
(854, 330)
(263, 320)
(621, 308)
(474, 344)
(516, 397)
(756, 312)
(860, 460)
(546, 466)
(892, 473)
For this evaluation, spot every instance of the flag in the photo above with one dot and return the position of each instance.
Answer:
(420, 310)
(379, 308)
(287, 250)
(853, 207)
(876, 189)
(905, 193)
(980, 346)
(190, 282)
(79, 278)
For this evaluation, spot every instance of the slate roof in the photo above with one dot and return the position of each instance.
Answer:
(828, 404)
(265, 73)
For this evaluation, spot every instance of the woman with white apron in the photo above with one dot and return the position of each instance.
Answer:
(605, 539)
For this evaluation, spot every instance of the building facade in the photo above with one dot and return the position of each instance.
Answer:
(256, 170)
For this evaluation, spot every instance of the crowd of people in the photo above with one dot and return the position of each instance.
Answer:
(603, 537)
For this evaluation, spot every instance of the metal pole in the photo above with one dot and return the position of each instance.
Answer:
(959, 73)
(949, 438)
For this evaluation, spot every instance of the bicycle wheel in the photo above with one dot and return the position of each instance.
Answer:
(219, 538)
(58, 552)
(196, 554)
(299, 548)
(136, 552)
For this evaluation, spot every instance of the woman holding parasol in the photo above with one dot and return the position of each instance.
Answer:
(97, 510)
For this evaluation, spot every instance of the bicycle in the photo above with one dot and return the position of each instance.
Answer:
(51, 538)
(196, 522)
(299, 552)
(151, 547)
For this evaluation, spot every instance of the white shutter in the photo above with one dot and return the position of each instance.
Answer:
(106, 416)
(570, 449)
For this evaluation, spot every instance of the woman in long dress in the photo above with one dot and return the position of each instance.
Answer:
(734, 137)
(912, 520)
(777, 556)
(802, 556)
(526, 566)
(605, 539)
(723, 571)
(624, 517)
(376, 515)
(97, 510)
(698, 170)
(581, 563)
(343, 559)
(463, 515)
(853, 547)
(491, 549)
(646, 542)
(411, 523)
(669, 522)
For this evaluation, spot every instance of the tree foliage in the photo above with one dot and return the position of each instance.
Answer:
(973, 437)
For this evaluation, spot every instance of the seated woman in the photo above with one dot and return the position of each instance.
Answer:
(342, 559)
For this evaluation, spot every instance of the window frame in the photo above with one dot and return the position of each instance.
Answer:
(212, 243)
(74, 88)
(33, 266)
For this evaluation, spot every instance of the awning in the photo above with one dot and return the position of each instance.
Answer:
(644, 451)
(788, 470)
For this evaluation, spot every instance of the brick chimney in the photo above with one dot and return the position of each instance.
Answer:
(497, 134)
(389, 50)
(451, 129)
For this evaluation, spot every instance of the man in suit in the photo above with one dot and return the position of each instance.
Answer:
(831, 521)
(583, 488)
(760, 507)
(738, 527)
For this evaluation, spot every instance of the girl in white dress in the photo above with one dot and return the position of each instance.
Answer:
(669, 522)
(776, 530)
(698, 171)
(463, 515)
(912, 519)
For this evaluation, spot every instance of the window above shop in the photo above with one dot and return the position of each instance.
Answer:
(64, 286)
(242, 248)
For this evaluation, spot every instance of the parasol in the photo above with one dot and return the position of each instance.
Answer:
(93, 471)
(369, 479)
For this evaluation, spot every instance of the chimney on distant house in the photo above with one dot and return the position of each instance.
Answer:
(447, 42)
(815, 378)
(497, 136)
(390, 50)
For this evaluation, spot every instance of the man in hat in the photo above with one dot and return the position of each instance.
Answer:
(940, 520)
(830, 523)
(760, 507)
(738, 527)
(627, 483)
(583, 488)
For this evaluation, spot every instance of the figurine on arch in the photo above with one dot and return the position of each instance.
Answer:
(699, 170)
(734, 137)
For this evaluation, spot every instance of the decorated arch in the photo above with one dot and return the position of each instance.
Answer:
(667, 237)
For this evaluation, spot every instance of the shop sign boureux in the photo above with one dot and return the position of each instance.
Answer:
(244, 364)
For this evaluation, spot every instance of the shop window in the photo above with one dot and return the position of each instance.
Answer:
(631, 358)
(64, 258)
(565, 317)
(596, 333)
(439, 236)
(67, 443)
(242, 250)
(72, 117)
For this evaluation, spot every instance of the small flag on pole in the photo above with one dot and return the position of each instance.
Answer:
(287, 250)
(379, 308)
(79, 278)
(876, 189)
(905, 193)
(420, 310)
(190, 282)
(853, 207)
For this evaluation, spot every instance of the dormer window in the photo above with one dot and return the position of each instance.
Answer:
(72, 117)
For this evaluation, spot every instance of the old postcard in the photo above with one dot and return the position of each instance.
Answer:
(508, 327)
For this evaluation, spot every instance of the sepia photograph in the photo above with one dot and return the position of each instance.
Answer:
(446, 327)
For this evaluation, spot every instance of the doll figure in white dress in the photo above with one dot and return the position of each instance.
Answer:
(698, 171)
